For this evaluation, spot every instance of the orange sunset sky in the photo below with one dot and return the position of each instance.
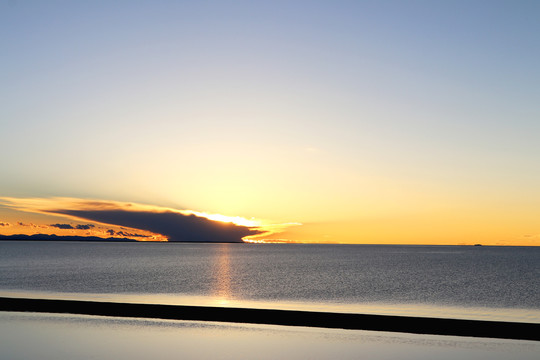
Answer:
(369, 122)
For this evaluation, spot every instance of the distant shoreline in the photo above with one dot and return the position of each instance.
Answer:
(52, 237)
(417, 325)
(95, 239)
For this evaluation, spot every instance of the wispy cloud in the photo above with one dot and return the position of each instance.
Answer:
(126, 234)
(30, 225)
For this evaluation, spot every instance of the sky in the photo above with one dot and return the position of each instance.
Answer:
(378, 122)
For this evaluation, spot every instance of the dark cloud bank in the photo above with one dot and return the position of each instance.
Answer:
(173, 225)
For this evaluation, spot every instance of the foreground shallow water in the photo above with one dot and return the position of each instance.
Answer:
(59, 337)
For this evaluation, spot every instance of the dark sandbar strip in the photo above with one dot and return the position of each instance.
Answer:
(417, 325)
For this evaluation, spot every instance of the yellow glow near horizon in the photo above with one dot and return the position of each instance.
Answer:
(237, 220)
(452, 225)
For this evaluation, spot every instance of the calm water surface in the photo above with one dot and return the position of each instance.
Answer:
(66, 337)
(450, 281)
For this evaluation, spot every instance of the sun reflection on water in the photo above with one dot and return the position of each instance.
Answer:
(221, 290)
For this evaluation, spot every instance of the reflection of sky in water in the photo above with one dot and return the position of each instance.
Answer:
(59, 337)
(223, 298)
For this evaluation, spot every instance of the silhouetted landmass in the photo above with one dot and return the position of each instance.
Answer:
(417, 325)
(173, 225)
(52, 237)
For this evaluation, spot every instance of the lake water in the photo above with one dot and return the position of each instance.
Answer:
(494, 283)
(65, 337)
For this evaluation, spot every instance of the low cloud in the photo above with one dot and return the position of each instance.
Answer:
(111, 232)
(84, 227)
(31, 225)
(124, 233)
(62, 226)
(69, 226)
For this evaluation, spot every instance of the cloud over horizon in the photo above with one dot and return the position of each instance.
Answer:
(62, 226)
(71, 227)
(175, 225)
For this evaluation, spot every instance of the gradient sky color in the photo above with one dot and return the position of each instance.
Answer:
(366, 121)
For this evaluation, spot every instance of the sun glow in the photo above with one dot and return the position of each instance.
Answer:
(237, 220)
(253, 240)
